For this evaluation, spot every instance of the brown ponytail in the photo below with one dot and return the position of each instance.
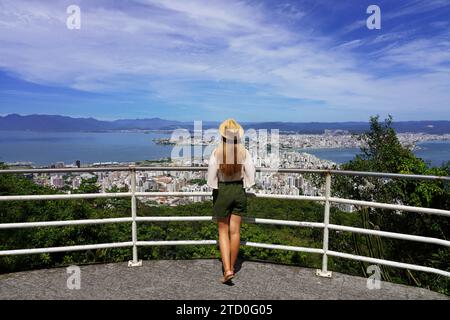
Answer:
(227, 166)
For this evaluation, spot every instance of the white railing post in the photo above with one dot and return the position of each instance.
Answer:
(135, 262)
(326, 220)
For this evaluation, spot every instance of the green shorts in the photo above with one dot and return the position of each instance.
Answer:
(229, 198)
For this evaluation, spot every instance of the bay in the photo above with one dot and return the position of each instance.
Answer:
(44, 148)
(433, 152)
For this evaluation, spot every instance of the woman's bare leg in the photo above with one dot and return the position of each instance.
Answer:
(235, 238)
(224, 242)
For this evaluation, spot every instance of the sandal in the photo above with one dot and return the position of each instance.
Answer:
(228, 276)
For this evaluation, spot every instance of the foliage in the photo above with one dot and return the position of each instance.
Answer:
(383, 152)
(200, 182)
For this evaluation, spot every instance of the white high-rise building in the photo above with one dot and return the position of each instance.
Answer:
(57, 181)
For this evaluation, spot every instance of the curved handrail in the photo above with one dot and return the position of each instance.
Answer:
(134, 219)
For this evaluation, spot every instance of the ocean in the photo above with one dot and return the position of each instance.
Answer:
(44, 148)
(433, 152)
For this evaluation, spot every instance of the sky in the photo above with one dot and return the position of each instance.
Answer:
(274, 60)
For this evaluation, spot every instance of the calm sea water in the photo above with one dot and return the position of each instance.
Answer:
(43, 148)
(433, 152)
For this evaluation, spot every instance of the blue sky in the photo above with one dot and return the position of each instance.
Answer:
(311, 60)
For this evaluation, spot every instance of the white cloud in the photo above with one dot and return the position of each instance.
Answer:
(163, 46)
(417, 7)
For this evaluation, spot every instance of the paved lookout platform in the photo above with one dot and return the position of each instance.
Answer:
(197, 279)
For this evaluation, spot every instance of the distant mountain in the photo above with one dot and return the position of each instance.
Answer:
(41, 122)
(432, 126)
(311, 127)
(153, 123)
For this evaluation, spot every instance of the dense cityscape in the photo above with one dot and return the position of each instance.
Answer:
(195, 181)
(329, 139)
(161, 181)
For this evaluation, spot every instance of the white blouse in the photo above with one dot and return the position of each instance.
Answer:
(248, 174)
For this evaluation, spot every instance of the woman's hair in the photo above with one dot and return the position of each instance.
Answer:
(230, 155)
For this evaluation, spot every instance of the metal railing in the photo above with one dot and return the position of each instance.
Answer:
(325, 225)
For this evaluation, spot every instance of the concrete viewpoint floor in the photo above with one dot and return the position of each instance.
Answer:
(198, 279)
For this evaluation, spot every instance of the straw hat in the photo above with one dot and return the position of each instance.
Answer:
(230, 129)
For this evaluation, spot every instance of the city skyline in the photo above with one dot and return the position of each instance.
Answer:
(256, 61)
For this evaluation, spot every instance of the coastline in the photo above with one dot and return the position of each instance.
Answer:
(26, 148)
